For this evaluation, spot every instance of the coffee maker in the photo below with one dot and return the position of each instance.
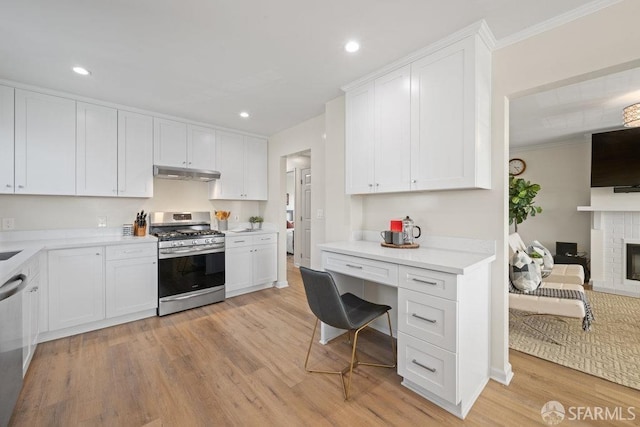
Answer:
(408, 228)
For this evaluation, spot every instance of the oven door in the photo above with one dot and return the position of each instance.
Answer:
(190, 281)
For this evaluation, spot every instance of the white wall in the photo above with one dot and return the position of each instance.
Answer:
(308, 135)
(563, 172)
(51, 212)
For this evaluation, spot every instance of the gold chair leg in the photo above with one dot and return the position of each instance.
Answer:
(306, 363)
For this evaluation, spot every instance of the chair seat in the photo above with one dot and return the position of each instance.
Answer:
(361, 312)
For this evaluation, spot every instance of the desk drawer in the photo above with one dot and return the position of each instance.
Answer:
(135, 250)
(376, 271)
(430, 367)
(428, 318)
(436, 283)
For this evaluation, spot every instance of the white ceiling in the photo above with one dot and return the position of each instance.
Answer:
(573, 111)
(206, 60)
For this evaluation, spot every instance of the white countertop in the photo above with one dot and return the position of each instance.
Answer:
(30, 248)
(445, 260)
(241, 231)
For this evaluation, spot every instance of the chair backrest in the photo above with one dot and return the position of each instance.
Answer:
(515, 244)
(323, 298)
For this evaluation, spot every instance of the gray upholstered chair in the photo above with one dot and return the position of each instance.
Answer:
(344, 312)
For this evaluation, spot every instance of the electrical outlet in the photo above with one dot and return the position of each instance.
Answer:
(236, 218)
(102, 221)
(8, 224)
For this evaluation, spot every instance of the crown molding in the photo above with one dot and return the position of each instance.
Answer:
(555, 22)
(479, 28)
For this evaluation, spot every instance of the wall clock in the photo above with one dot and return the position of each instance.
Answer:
(516, 166)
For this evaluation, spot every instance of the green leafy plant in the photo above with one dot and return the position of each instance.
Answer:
(255, 219)
(521, 196)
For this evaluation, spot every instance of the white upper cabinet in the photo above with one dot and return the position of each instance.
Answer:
(201, 148)
(135, 154)
(426, 124)
(242, 162)
(359, 152)
(96, 150)
(45, 144)
(6, 139)
(378, 135)
(185, 146)
(392, 131)
(169, 143)
(255, 168)
(450, 115)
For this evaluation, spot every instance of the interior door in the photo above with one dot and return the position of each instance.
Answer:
(305, 217)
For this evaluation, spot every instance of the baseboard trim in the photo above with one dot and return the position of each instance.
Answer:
(503, 376)
(282, 284)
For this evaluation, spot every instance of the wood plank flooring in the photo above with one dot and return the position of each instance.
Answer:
(240, 363)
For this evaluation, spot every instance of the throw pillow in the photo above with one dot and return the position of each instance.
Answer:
(525, 273)
(546, 254)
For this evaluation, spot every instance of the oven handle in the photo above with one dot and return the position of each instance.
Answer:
(172, 253)
(191, 295)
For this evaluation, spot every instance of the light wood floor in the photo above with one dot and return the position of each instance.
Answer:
(240, 363)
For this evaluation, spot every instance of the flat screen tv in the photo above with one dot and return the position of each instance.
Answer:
(615, 158)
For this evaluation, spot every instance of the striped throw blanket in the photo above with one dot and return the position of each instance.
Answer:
(563, 294)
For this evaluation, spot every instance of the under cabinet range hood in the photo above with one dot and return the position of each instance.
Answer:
(185, 174)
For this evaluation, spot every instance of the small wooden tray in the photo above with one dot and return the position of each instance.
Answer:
(407, 246)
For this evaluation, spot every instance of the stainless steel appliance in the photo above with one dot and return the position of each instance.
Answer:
(190, 260)
(11, 343)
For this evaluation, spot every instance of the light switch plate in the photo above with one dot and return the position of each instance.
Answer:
(102, 221)
(320, 214)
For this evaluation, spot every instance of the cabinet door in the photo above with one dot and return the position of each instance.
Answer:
(131, 285)
(135, 155)
(96, 150)
(30, 309)
(443, 118)
(45, 144)
(359, 146)
(169, 143)
(238, 271)
(230, 158)
(265, 265)
(201, 148)
(76, 287)
(6, 139)
(255, 168)
(392, 165)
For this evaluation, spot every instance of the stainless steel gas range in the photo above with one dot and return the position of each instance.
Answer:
(190, 260)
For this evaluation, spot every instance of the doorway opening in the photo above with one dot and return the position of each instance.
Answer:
(298, 207)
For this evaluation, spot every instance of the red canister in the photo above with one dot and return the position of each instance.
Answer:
(396, 225)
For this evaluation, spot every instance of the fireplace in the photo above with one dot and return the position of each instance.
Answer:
(633, 261)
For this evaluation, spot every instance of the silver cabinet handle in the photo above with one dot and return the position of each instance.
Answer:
(423, 318)
(413, 181)
(20, 186)
(424, 281)
(359, 267)
(9, 185)
(415, 362)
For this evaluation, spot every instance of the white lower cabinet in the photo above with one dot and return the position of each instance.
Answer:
(250, 263)
(131, 279)
(30, 313)
(94, 287)
(76, 287)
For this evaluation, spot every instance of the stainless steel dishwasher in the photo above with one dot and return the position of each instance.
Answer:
(11, 343)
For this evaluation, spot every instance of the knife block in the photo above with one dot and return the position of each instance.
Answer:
(139, 230)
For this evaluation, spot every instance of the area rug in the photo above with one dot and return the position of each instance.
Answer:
(611, 350)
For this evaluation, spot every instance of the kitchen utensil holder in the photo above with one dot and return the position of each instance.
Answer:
(140, 230)
(223, 225)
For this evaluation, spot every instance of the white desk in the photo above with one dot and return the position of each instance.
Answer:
(440, 312)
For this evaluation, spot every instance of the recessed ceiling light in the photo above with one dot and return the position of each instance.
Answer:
(82, 71)
(352, 46)
(244, 114)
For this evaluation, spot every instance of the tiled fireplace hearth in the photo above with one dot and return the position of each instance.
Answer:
(615, 248)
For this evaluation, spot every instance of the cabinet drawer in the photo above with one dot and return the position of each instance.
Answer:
(238, 241)
(263, 239)
(430, 282)
(376, 271)
(430, 367)
(132, 251)
(428, 318)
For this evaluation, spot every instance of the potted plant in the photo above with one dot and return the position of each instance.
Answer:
(256, 222)
(521, 195)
